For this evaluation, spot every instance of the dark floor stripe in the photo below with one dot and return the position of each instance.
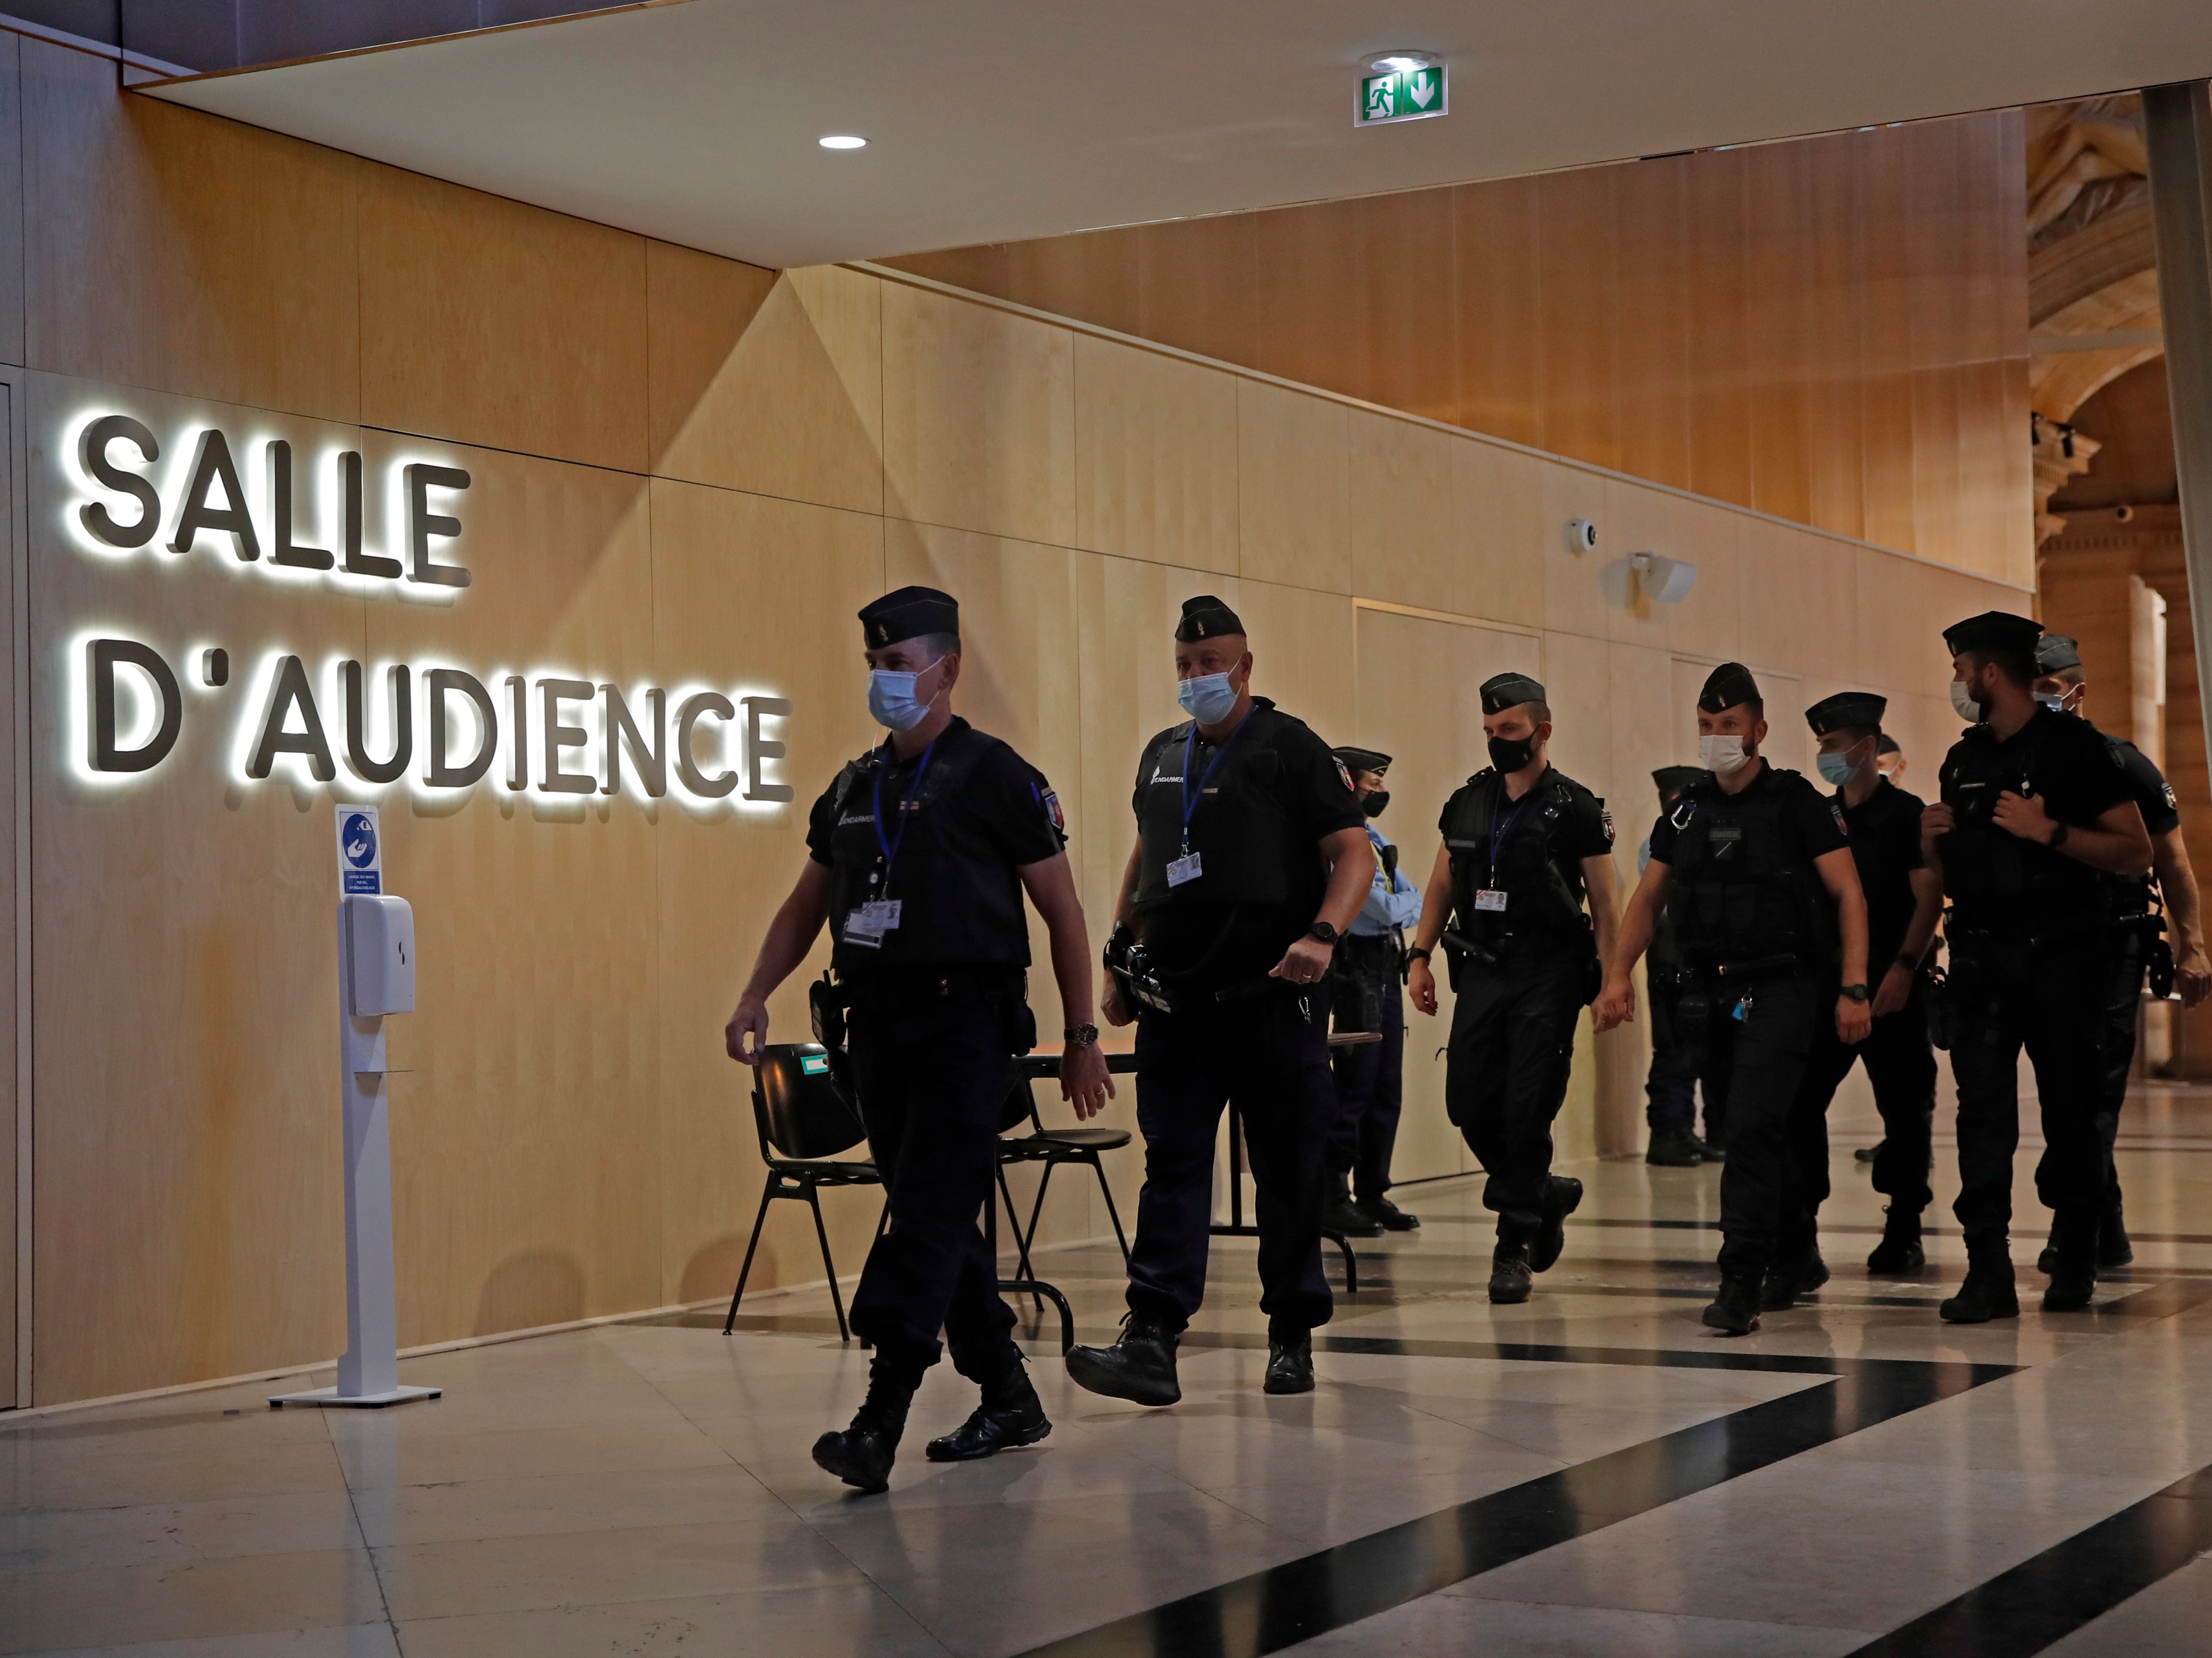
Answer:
(2045, 1599)
(1295, 1601)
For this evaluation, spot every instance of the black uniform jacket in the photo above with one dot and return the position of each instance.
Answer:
(1885, 831)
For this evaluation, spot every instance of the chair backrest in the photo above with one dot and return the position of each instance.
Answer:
(798, 1105)
(1019, 1107)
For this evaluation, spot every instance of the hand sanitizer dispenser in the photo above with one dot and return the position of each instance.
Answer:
(381, 945)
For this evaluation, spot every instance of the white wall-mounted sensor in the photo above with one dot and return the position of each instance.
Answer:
(380, 945)
(1666, 579)
(1582, 536)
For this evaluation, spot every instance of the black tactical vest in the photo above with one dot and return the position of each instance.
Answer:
(1542, 883)
(1744, 889)
(961, 902)
(1249, 853)
(1997, 882)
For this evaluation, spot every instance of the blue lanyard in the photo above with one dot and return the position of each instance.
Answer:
(890, 844)
(1499, 829)
(1191, 796)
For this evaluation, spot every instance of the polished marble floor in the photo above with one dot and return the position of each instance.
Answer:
(1590, 1473)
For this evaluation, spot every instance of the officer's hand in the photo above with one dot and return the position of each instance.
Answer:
(1421, 986)
(1084, 1079)
(1936, 819)
(1896, 985)
(750, 1017)
(1615, 1005)
(1305, 963)
(1110, 1004)
(2024, 817)
(2192, 975)
(1854, 1021)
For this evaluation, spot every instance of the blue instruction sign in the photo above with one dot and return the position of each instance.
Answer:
(361, 850)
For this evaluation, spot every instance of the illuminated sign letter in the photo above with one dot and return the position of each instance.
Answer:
(356, 562)
(759, 748)
(621, 731)
(283, 551)
(518, 771)
(292, 692)
(403, 726)
(554, 692)
(101, 657)
(92, 455)
(210, 466)
(439, 684)
(694, 708)
(422, 523)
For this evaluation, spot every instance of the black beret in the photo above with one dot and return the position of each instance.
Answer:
(1357, 761)
(1670, 778)
(1508, 690)
(1206, 617)
(1846, 708)
(2055, 654)
(908, 613)
(1726, 686)
(1992, 631)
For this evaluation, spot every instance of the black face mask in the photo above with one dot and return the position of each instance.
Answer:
(1510, 754)
(1373, 801)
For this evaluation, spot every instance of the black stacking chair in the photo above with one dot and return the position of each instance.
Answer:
(1052, 1147)
(804, 1118)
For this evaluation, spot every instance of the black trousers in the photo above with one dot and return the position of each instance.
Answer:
(932, 1075)
(1901, 1062)
(1765, 1036)
(1270, 1052)
(1370, 1092)
(2123, 1008)
(1680, 1066)
(2051, 999)
(1506, 1077)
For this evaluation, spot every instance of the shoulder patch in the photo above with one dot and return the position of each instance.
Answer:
(1050, 802)
(1344, 773)
(1844, 829)
(2172, 805)
(1608, 816)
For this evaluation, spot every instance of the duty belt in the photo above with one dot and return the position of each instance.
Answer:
(1758, 967)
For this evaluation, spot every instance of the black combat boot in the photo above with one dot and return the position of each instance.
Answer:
(1140, 1367)
(1799, 1273)
(1341, 1215)
(1289, 1364)
(1672, 1148)
(2073, 1254)
(2113, 1249)
(1010, 1417)
(1508, 1273)
(1987, 1293)
(1898, 1254)
(1388, 1215)
(861, 1455)
(1562, 1200)
(1735, 1310)
(1709, 1147)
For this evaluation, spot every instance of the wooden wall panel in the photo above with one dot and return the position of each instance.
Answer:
(1779, 277)
(1500, 388)
(1155, 457)
(1835, 409)
(1197, 283)
(1311, 291)
(1412, 326)
(1720, 297)
(1578, 318)
(1400, 516)
(1293, 507)
(1501, 530)
(451, 279)
(1653, 340)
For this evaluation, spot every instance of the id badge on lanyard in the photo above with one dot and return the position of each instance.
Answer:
(1491, 900)
(1188, 867)
(866, 923)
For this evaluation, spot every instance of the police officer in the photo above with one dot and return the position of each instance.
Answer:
(918, 856)
(1251, 860)
(1904, 900)
(2034, 808)
(1524, 847)
(2136, 933)
(1755, 866)
(1364, 995)
(1678, 1067)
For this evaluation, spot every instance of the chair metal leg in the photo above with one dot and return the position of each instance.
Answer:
(1351, 1262)
(829, 1266)
(1036, 1210)
(1021, 1244)
(883, 1218)
(767, 1195)
(1112, 1213)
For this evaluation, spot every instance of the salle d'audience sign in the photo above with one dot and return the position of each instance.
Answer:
(435, 727)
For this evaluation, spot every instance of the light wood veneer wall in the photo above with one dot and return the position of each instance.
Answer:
(687, 468)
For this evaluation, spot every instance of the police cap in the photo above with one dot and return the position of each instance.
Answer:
(907, 614)
(1993, 630)
(1510, 691)
(1726, 686)
(1846, 708)
(1206, 617)
(2055, 654)
(1357, 761)
(1671, 778)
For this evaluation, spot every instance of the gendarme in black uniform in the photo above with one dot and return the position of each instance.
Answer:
(2030, 939)
(1757, 930)
(1525, 970)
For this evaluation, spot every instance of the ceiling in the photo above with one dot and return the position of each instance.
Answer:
(994, 120)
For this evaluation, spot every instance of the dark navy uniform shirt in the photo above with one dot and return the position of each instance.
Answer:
(1885, 831)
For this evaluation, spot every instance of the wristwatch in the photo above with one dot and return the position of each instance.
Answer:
(1908, 961)
(1080, 1035)
(2057, 836)
(1324, 932)
(1417, 954)
(1854, 993)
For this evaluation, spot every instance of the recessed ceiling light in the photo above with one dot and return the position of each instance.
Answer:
(844, 140)
(1403, 62)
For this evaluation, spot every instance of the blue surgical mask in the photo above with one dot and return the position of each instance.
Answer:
(1208, 698)
(2054, 700)
(892, 702)
(1837, 769)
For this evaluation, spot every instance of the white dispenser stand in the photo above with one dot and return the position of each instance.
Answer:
(376, 977)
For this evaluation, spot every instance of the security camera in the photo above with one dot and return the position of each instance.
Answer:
(1582, 536)
(1666, 579)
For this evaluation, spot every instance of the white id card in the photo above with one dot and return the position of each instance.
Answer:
(1182, 869)
(868, 924)
(1490, 899)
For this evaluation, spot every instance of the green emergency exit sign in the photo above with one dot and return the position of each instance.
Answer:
(1413, 94)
